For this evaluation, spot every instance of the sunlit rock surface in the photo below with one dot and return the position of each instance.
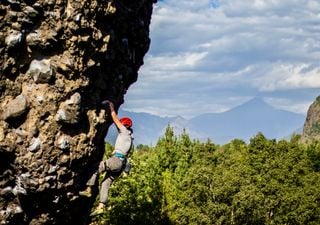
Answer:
(311, 129)
(59, 59)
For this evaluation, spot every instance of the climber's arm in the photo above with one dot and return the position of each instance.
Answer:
(114, 116)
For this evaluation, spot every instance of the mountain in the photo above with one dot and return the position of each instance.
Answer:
(243, 122)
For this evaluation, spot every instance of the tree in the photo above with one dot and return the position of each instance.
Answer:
(183, 182)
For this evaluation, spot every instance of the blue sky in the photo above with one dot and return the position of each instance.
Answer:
(210, 56)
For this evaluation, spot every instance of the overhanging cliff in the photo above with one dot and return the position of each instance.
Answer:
(59, 59)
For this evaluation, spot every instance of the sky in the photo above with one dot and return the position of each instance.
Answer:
(208, 56)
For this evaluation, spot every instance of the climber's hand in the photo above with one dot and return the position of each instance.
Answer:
(108, 102)
(111, 106)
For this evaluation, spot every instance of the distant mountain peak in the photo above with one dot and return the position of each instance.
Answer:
(255, 104)
(179, 118)
(256, 100)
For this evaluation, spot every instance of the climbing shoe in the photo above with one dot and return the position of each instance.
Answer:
(97, 212)
(85, 193)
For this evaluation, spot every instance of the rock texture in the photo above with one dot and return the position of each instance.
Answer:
(311, 129)
(59, 59)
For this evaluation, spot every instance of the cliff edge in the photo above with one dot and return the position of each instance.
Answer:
(311, 129)
(59, 59)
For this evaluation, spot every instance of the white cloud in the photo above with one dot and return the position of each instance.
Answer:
(267, 8)
(208, 56)
(188, 4)
(289, 105)
(176, 62)
(289, 76)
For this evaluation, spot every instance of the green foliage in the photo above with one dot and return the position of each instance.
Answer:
(313, 152)
(185, 182)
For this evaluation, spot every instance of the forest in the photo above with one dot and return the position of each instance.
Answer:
(181, 181)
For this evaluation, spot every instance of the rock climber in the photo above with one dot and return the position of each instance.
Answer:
(114, 165)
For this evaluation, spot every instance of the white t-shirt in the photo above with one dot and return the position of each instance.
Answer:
(124, 141)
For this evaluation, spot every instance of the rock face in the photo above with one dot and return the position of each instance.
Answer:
(59, 59)
(311, 129)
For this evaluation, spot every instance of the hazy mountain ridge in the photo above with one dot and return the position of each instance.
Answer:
(246, 120)
(243, 122)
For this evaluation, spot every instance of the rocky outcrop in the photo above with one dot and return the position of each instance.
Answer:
(311, 129)
(59, 59)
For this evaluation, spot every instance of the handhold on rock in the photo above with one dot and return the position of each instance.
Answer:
(64, 159)
(18, 210)
(61, 115)
(48, 178)
(11, 210)
(63, 142)
(69, 110)
(31, 12)
(33, 38)
(21, 132)
(41, 71)
(15, 108)
(53, 169)
(75, 99)
(35, 144)
(6, 190)
(56, 199)
(13, 2)
(65, 62)
(13, 39)
(19, 189)
(77, 17)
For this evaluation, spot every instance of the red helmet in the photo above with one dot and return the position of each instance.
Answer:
(126, 121)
